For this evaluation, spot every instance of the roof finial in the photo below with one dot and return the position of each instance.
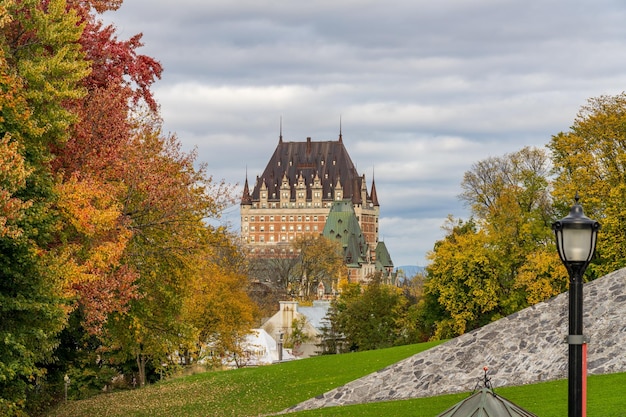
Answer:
(280, 138)
(486, 381)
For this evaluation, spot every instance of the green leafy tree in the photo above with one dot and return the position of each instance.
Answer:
(371, 316)
(298, 335)
(41, 65)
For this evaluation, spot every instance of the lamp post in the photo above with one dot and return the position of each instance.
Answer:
(280, 346)
(66, 380)
(576, 237)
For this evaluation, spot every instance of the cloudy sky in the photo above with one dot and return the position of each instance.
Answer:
(424, 89)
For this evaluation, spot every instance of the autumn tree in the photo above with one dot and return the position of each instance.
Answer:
(590, 159)
(482, 269)
(167, 199)
(277, 270)
(320, 260)
(464, 278)
(41, 65)
(217, 304)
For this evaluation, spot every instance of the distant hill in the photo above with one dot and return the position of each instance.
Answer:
(410, 270)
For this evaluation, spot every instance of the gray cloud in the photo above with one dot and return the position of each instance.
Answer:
(424, 89)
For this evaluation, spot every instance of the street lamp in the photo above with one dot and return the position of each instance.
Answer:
(576, 237)
(280, 346)
(67, 381)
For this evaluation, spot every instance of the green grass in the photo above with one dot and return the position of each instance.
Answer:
(269, 389)
(606, 398)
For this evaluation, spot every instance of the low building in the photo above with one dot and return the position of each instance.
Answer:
(281, 324)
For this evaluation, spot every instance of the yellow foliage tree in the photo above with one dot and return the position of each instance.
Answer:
(590, 159)
(94, 240)
(320, 260)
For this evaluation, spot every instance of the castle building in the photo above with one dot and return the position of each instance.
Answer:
(295, 195)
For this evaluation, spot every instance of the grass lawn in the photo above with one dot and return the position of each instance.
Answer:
(606, 398)
(269, 389)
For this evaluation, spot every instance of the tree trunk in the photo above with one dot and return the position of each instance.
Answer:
(141, 365)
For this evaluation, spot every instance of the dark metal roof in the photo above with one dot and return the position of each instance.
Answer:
(486, 403)
(328, 160)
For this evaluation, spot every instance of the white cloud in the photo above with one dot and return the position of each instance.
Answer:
(424, 89)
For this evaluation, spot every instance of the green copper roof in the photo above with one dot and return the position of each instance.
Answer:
(486, 403)
(342, 225)
(383, 259)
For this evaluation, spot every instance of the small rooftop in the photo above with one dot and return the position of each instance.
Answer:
(485, 403)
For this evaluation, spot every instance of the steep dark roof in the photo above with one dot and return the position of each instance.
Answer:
(246, 199)
(374, 196)
(329, 160)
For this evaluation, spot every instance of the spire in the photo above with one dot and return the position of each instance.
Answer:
(373, 194)
(246, 199)
(280, 138)
(340, 136)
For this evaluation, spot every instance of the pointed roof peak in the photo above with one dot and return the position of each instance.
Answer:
(340, 135)
(373, 194)
(246, 198)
